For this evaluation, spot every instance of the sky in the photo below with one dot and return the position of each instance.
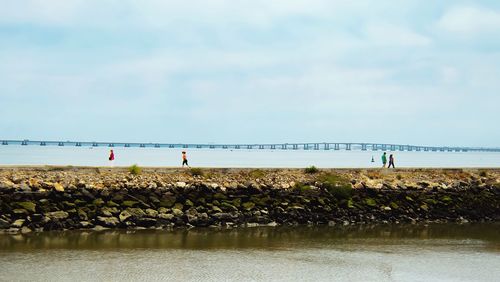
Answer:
(257, 71)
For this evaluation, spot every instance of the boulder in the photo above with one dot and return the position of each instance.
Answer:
(25, 230)
(177, 212)
(58, 187)
(106, 211)
(108, 221)
(151, 213)
(166, 216)
(4, 224)
(57, 215)
(18, 223)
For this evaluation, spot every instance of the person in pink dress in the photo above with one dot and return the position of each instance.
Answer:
(111, 156)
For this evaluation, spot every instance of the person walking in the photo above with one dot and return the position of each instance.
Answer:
(111, 157)
(391, 161)
(384, 159)
(184, 159)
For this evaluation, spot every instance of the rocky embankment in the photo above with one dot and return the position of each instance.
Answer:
(57, 198)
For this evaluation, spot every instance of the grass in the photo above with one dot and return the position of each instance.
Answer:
(301, 187)
(135, 169)
(196, 171)
(257, 173)
(373, 174)
(337, 185)
(311, 170)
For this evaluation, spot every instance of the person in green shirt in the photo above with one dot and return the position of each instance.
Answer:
(384, 159)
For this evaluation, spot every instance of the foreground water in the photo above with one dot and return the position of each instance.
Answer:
(445, 252)
(37, 155)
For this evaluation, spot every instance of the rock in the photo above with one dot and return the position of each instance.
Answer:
(272, 223)
(4, 224)
(124, 215)
(129, 203)
(359, 185)
(136, 212)
(167, 202)
(112, 204)
(223, 216)
(20, 211)
(82, 214)
(57, 215)
(6, 184)
(146, 222)
(18, 223)
(228, 206)
(216, 209)
(106, 211)
(85, 224)
(166, 216)
(151, 213)
(99, 228)
(109, 221)
(177, 212)
(248, 205)
(387, 208)
(370, 202)
(98, 202)
(193, 213)
(58, 187)
(34, 183)
(25, 230)
(180, 184)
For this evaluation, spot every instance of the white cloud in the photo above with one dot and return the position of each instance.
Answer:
(469, 20)
(392, 35)
(449, 75)
(160, 13)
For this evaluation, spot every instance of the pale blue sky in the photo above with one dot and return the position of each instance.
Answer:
(416, 72)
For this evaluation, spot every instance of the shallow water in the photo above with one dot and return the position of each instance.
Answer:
(445, 252)
(37, 155)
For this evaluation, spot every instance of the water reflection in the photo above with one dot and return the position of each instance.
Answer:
(484, 236)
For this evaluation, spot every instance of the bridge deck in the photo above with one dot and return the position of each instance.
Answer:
(281, 146)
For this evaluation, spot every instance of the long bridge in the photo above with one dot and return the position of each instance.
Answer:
(269, 146)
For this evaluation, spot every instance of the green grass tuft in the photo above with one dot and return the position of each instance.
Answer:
(135, 169)
(338, 186)
(257, 173)
(311, 170)
(196, 171)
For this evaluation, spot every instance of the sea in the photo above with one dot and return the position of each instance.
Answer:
(440, 252)
(265, 158)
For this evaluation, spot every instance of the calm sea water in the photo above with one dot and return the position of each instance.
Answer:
(356, 253)
(84, 156)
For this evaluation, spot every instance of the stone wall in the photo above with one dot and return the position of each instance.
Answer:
(34, 203)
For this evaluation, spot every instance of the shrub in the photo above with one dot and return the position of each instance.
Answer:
(312, 169)
(399, 177)
(196, 172)
(301, 187)
(341, 191)
(257, 173)
(373, 174)
(135, 169)
(336, 185)
(483, 173)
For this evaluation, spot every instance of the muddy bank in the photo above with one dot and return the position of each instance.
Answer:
(57, 198)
